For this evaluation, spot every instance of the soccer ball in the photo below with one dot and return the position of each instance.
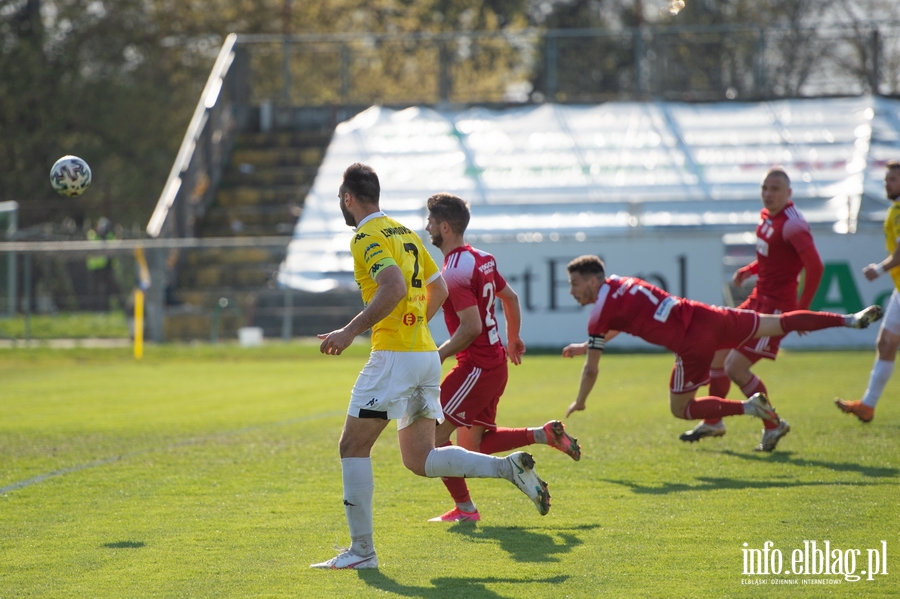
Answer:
(70, 176)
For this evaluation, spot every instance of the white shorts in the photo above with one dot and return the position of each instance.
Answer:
(402, 386)
(891, 320)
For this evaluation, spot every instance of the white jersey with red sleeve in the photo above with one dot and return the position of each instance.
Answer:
(779, 241)
(473, 280)
(639, 308)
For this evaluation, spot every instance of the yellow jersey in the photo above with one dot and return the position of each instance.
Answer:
(891, 233)
(379, 242)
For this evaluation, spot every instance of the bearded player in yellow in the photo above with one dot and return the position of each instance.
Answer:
(402, 289)
(889, 334)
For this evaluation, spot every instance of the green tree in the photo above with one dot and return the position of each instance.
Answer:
(108, 85)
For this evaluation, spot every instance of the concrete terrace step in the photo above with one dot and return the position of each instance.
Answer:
(219, 275)
(262, 192)
(277, 156)
(315, 137)
(269, 176)
(282, 195)
(243, 221)
(235, 256)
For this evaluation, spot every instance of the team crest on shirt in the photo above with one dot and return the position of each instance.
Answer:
(409, 319)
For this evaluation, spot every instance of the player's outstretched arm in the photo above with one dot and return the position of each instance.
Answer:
(588, 378)
(391, 289)
(574, 349)
(579, 349)
(437, 292)
(468, 330)
(813, 268)
(873, 271)
(744, 273)
(515, 347)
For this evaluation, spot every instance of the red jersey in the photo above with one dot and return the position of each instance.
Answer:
(473, 280)
(642, 309)
(779, 241)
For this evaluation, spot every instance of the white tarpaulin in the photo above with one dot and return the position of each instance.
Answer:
(554, 174)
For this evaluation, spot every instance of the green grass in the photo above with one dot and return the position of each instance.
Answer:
(212, 471)
(66, 325)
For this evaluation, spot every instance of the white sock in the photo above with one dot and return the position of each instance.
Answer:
(540, 435)
(458, 462)
(878, 378)
(359, 486)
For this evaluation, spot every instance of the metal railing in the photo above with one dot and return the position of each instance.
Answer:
(716, 62)
(64, 254)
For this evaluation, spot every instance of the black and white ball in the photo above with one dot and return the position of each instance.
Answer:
(70, 176)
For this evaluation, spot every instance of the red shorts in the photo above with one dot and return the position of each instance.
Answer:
(764, 347)
(469, 395)
(711, 329)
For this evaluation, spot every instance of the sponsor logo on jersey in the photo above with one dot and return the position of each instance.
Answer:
(487, 267)
(359, 236)
(375, 268)
(409, 319)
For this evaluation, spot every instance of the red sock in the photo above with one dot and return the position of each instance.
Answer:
(752, 388)
(719, 385)
(504, 439)
(712, 407)
(458, 488)
(804, 320)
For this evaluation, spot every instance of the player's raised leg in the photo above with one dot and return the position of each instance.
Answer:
(804, 320)
(452, 461)
(552, 433)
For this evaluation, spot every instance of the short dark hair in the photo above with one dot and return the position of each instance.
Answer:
(892, 164)
(587, 265)
(447, 208)
(777, 170)
(362, 182)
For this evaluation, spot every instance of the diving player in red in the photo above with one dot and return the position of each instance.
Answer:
(692, 330)
(471, 390)
(784, 248)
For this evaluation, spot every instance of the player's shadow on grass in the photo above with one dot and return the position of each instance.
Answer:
(786, 457)
(524, 545)
(709, 483)
(467, 588)
(124, 545)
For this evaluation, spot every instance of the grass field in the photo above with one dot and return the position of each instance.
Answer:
(213, 472)
(67, 325)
